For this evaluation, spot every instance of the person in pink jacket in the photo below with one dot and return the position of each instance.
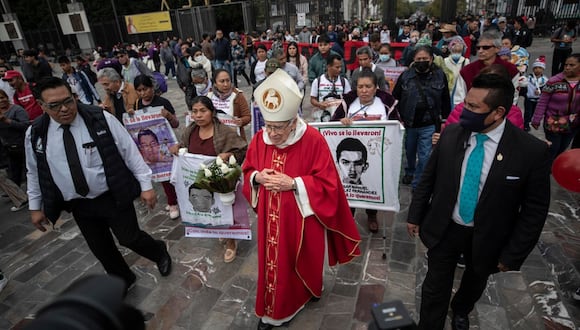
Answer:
(514, 115)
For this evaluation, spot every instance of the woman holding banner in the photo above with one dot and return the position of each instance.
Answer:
(366, 102)
(208, 136)
(148, 142)
(232, 107)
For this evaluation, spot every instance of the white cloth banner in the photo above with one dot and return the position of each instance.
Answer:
(197, 206)
(368, 158)
(154, 136)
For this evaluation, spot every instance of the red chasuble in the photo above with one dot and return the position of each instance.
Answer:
(290, 247)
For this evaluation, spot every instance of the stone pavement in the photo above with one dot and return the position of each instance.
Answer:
(205, 293)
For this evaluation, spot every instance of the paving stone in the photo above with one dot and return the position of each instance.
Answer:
(368, 296)
(335, 321)
(339, 304)
(491, 317)
(169, 313)
(217, 320)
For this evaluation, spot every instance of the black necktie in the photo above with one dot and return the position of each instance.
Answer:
(74, 163)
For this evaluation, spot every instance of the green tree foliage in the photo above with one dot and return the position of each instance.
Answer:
(405, 8)
(434, 8)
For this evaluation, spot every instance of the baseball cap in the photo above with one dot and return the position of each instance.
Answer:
(271, 65)
(11, 74)
(502, 19)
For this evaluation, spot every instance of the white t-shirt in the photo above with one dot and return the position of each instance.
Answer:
(374, 111)
(259, 71)
(327, 86)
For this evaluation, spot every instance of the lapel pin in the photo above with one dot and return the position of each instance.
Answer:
(499, 157)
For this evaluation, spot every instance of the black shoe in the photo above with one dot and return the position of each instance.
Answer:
(576, 295)
(264, 326)
(461, 261)
(407, 179)
(129, 284)
(460, 322)
(164, 264)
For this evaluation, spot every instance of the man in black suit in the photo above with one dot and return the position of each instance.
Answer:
(493, 213)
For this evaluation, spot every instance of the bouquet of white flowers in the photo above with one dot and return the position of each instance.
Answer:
(219, 176)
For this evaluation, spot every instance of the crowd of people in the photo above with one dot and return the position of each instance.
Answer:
(471, 71)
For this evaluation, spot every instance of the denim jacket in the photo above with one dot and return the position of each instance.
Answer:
(436, 92)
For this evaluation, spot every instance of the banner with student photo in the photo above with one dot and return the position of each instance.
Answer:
(202, 212)
(367, 155)
(392, 75)
(154, 136)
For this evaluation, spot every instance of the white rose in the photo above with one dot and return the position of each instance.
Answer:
(207, 172)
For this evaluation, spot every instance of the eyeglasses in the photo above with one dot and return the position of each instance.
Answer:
(56, 106)
(486, 47)
(277, 128)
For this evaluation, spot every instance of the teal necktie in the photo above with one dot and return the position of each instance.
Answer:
(470, 187)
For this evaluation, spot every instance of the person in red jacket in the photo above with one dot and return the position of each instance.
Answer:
(23, 94)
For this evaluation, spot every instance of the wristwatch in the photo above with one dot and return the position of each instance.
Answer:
(293, 184)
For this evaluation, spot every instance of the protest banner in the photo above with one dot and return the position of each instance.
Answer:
(368, 158)
(392, 74)
(203, 214)
(154, 136)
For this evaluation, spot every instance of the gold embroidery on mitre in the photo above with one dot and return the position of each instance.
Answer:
(272, 100)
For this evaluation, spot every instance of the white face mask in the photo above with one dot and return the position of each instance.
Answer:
(198, 58)
(200, 87)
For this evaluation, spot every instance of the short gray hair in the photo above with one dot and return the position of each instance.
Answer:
(109, 73)
(365, 50)
(277, 53)
(198, 73)
(491, 36)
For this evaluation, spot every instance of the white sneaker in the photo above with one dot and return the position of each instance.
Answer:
(18, 208)
(3, 282)
(173, 212)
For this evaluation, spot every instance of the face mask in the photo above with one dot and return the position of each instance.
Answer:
(446, 39)
(422, 66)
(384, 57)
(472, 121)
(198, 58)
(200, 87)
(455, 57)
(414, 39)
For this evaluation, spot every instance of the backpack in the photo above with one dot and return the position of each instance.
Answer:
(161, 83)
(319, 78)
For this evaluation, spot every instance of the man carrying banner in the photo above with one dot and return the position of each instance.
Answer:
(293, 185)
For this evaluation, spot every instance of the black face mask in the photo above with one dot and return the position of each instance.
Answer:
(422, 66)
(472, 121)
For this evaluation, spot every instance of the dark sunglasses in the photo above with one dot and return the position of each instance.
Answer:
(484, 47)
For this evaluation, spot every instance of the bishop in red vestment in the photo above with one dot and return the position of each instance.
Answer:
(293, 185)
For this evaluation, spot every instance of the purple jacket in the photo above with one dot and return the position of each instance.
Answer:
(558, 98)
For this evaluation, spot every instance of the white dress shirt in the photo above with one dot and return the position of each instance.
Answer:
(91, 161)
(490, 148)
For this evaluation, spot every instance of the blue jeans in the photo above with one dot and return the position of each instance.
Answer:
(217, 64)
(529, 109)
(417, 149)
